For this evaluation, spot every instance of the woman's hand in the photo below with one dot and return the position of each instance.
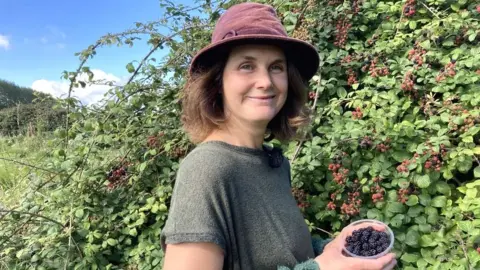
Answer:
(332, 257)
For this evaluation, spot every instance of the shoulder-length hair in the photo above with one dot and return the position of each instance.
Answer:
(202, 108)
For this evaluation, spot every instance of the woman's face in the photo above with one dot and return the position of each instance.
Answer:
(255, 84)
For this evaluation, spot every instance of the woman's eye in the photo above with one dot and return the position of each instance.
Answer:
(277, 67)
(246, 66)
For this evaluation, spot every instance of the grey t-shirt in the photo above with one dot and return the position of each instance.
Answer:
(229, 195)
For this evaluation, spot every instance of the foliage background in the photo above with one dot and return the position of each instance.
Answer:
(395, 137)
(26, 111)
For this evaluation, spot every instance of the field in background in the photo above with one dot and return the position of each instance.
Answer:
(14, 177)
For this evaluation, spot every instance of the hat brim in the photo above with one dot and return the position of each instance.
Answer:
(303, 55)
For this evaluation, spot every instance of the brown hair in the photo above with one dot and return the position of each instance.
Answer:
(202, 108)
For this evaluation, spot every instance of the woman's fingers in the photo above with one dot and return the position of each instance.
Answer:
(381, 263)
(391, 265)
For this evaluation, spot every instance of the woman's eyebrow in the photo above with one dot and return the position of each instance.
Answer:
(251, 58)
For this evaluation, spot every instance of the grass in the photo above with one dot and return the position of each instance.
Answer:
(14, 176)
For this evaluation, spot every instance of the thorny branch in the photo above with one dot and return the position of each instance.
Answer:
(312, 111)
(429, 9)
(32, 214)
(462, 244)
(26, 164)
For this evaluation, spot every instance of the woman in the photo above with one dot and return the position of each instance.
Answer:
(232, 207)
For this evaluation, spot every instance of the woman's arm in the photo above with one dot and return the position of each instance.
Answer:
(192, 256)
(318, 244)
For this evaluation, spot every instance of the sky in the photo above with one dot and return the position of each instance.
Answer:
(38, 40)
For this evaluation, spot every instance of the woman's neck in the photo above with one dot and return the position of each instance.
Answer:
(239, 135)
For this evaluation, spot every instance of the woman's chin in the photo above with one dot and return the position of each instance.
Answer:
(262, 118)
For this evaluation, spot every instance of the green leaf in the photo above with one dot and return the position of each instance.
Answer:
(472, 37)
(111, 242)
(156, 261)
(421, 263)
(423, 181)
(400, 156)
(374, 214)
(35, 258)
(413, 25)
(143, 166)
(476, 150)
(395, 207)
(470, 185)
(412, 238)
(130, 68)
(425, 199)
(410, 258)
(465, 226)
(472, 193)
(425, 228)
(79, 213)
(427, 241)
(443, 188)
(447, 174)
(455, 7)
(341, 92)
(439, 201)
(397, 220)
(415, 211)
(476, 172)
(412, 200)
(425, 44)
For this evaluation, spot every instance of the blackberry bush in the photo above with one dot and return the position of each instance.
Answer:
(394, 137)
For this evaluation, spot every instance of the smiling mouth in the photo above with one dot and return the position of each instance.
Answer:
(262, 98)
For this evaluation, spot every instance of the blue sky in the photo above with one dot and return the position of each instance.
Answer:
(38, 39)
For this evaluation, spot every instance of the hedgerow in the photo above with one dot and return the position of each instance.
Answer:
(394, 137)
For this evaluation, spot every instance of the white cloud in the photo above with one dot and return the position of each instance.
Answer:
(4, 42)
(89, 95)
(44, 40)
(61, 45)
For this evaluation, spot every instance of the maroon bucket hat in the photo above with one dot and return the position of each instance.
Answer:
(254, 23)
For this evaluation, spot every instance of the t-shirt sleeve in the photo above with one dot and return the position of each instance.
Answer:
(198, 201)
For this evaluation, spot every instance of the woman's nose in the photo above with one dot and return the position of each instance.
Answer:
(264, 79)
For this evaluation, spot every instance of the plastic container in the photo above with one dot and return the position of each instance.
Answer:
(377, 225)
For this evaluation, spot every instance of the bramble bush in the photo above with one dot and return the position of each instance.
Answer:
(394, 137)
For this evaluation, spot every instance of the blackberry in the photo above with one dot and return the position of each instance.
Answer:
(350, 239)
(356, 238)
(367, 242)
(364, 239)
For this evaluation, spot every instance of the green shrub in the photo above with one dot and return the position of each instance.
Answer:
(34, 117)
(394, 137)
